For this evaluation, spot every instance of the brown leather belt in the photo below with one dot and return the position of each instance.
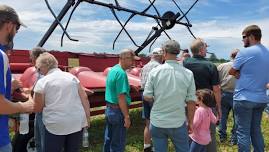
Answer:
(113, 106)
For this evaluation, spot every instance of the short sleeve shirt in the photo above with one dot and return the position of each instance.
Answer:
(117, 83)
(145, 71)
(205, 73)
(63, 112)
(5, 90)
(171, 85)
(253, 63)
(227, 81)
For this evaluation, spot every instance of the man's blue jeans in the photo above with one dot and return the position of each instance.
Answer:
(195, 147)
(179, 137)
(248, 117)
(115, 132)
(39, 132)
(226, 107)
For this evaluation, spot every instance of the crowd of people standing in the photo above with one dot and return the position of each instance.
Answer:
(182, 100)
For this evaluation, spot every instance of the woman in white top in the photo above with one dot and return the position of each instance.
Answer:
(64, 104)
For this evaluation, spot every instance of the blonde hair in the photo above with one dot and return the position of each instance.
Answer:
(47, 60)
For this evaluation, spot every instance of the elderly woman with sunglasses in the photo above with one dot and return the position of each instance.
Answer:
(64, 104)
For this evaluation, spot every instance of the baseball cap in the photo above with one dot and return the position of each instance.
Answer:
(171, 46)
(157, 51)
(7, 13)
(127, 51)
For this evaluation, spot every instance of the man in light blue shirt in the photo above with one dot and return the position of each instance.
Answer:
(170, 86)
(251, 68)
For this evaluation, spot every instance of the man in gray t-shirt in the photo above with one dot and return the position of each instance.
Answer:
(227, 83)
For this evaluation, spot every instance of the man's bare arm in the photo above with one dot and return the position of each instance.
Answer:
(8, 107)
(235, 73)
(191, 109)
(217, 94)
(125, 110)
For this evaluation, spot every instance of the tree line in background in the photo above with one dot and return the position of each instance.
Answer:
(213, 58)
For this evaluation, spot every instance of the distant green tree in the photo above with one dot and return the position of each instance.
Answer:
(142, 55)
(213, 58)
(223, 60)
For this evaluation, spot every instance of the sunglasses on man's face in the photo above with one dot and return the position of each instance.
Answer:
(244, 36)
(18, 27)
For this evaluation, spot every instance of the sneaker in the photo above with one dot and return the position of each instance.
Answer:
(222, 139)
(233, 142)
(267, 110)
(149, 149)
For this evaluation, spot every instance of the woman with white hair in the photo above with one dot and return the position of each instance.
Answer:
(64, 104)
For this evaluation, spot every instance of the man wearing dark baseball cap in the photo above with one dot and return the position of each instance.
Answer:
(9, 14)
(169, 87)
(9, 26)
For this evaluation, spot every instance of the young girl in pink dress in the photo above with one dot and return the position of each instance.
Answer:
(202, 118)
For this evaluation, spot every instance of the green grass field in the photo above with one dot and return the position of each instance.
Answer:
(135, 135)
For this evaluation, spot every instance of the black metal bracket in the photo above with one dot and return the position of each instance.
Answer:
(56, 22)
(165, 22)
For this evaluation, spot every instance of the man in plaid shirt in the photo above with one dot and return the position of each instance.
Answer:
(156, 60)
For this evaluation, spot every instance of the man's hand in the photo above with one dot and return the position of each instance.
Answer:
(190, 129)
(15, 84)
(219, 113)
(237, 75)
(125, 110)
(127, 122)
(27, 107)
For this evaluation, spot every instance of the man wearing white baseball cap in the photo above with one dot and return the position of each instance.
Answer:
(156, 60)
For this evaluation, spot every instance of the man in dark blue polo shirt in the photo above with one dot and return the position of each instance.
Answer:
(205, 76)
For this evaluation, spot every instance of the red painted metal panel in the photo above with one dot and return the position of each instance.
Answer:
(92, 76)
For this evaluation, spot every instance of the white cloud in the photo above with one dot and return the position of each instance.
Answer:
(97, 34)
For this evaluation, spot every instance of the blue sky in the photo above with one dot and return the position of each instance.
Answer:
(219, 22)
